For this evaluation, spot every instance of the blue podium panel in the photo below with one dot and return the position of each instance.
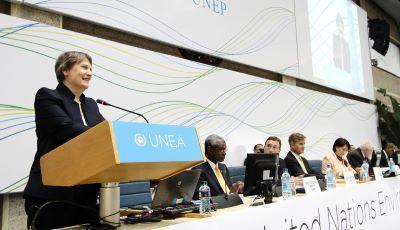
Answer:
(142, 142)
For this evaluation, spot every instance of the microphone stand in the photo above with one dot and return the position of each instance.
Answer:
(268, 188)
(102, 102)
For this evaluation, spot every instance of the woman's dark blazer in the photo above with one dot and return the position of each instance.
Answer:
(58, 120)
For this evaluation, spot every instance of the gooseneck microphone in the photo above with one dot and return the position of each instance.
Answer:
(103, 102)
(276, 169)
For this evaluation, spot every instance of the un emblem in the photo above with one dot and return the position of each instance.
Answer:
(140, 140)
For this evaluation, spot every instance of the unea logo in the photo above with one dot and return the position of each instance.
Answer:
(159, 140)
(140, 139)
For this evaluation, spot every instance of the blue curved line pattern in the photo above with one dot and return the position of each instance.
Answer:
(264, 15)
(169, 86)
(13, 134)
(220, 119)
(16, 118)
(44, 45)
(18, 29)
(16, 125)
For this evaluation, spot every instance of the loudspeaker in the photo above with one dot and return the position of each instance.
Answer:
(379, 31)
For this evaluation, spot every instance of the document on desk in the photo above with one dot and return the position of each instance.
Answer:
(311, 185)
(378, 173)
(349, 178)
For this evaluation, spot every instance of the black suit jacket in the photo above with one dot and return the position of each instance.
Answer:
(384, 161)
(58, 120)
(356, 159)
(295, 169)
(207, 174)
(396, 158)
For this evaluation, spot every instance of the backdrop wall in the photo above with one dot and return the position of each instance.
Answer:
(325, 42)
(243, 109)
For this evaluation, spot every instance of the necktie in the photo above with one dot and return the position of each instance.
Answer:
(220, 179)
(303, 166)
(368, 161)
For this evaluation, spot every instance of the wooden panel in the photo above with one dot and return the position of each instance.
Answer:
(140, 171)
(92, 158)
(80, 158)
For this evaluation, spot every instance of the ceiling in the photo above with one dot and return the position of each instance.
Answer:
(392, 7)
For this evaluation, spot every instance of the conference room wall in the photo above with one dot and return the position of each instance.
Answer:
(386, 80)
(271, 35)
(241, 108)
(391, 61)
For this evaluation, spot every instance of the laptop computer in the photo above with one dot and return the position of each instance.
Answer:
(175, 190)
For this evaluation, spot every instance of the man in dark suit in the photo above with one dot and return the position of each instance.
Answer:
(364, 152)
(396, 157)
(61, 115)
(296, 164)
(386, 154)
(273, 146)
(214, 172)
(258, 148)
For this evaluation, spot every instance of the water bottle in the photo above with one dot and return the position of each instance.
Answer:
(364, 172)
(204, 196)
(286, 189)
(392, 166)
(330, 179)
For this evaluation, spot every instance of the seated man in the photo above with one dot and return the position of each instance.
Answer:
(258, 148)
(296, 164)
(386, 154)
(364, 152)
(273, 146)
(215, 173)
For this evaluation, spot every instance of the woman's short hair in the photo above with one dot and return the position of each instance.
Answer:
(296, 137)
(68, 59)
(340, 142)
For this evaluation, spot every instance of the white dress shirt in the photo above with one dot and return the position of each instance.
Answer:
(81, 111)
(298, 158)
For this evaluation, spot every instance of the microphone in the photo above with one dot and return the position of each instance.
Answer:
(276, 169)
(223, 171)
(103, 102)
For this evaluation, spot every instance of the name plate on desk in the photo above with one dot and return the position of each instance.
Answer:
(142, 142)
(378, 173)
(349, 178)
(311, 185)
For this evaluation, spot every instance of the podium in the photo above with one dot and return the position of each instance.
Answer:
(113, 152)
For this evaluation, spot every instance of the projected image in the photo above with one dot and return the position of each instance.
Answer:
(333, 38)
(341, 50)
(335, 44)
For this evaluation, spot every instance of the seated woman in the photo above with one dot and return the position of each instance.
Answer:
(338, 159)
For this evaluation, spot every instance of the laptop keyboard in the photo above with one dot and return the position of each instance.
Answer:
(177, 209)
